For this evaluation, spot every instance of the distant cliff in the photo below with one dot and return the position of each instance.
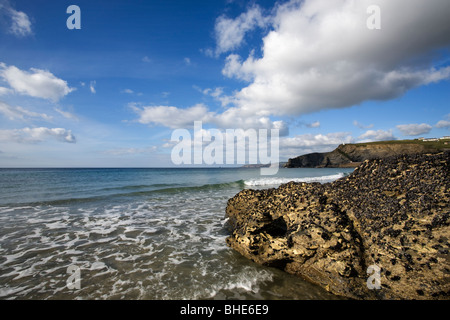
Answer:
(390, 215)
(351, 155)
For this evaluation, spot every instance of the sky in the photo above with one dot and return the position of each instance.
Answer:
(322, 73)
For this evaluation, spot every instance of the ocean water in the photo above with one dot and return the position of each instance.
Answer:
(135, 234)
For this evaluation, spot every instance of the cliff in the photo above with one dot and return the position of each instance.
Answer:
(351, 155)
(391, 213)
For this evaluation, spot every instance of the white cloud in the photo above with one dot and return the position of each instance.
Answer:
(309, 143)
(321, 55)
(20, 24)
(5, 91)
(146, 59)
(234, 67)
(36, 83)
(443, 124)
(317, 140)
(172, 117)
(35, 135)
(129, 91)
(217, 93)
(237, 118)
(230, 33)
(19, 113)
(376, 135)
(414, 129)
(92, 86)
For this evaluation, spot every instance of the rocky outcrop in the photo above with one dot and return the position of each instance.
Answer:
(351, 155)
(391, 214)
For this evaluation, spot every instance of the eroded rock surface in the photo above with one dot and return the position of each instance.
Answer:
(392, 213)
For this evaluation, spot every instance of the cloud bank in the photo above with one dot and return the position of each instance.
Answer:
(321, 55)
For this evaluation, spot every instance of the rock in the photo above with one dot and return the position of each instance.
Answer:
(351, 155)
(391, 212)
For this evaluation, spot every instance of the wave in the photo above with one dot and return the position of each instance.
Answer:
(128, 191)
(106, 194)
(140, 186)
(279, 181)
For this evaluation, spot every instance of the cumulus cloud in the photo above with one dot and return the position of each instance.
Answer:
(443, 124)
(376, 135)
(35, 83)
(238, 118)
(308, 143)
(172, 117)
(19, 113)
(230, 33)
(317, 140)
(36, 135)
(20, 24)
(414, 129)
(321, 55)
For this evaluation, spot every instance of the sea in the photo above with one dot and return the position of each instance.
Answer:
(136, 234)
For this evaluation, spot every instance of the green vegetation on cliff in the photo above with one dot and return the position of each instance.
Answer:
(441, 144)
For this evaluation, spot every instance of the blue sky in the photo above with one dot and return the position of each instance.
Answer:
(111, 93)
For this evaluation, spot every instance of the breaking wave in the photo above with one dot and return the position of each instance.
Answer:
(278, 181)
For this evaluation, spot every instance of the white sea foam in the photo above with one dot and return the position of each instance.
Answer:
(165, 247)
(278, 181)
(7, 291)
(56, 225)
